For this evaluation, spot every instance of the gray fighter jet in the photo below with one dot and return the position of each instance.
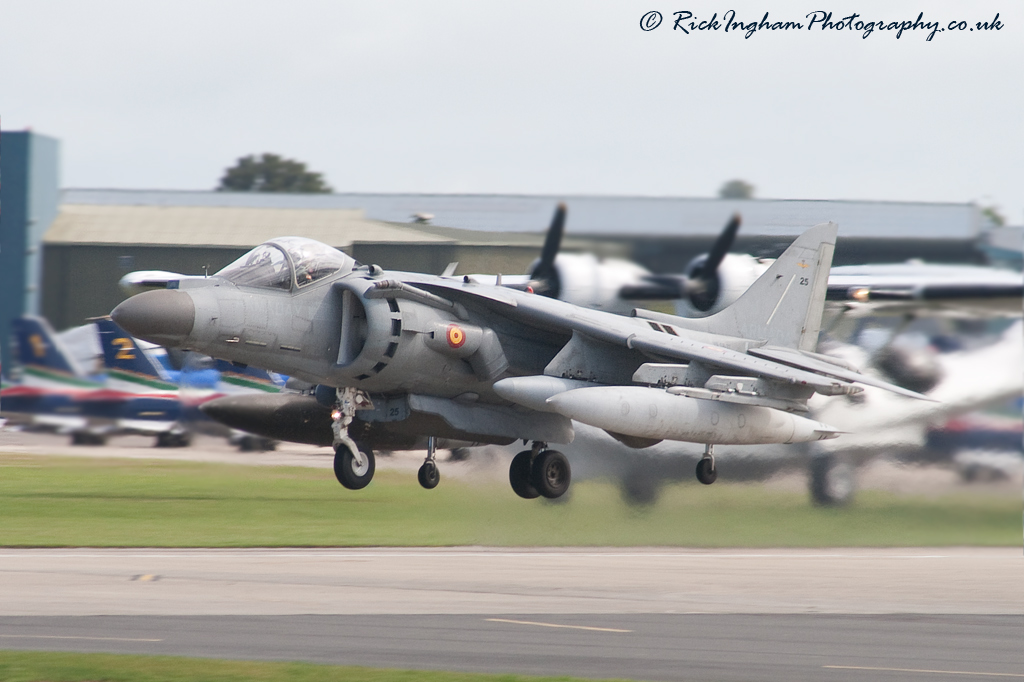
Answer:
(403, 355)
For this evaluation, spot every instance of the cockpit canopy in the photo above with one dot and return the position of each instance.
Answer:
(286, 262)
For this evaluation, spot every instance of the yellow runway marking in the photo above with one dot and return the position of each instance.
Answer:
(94, 639)
(554, 625)
(915, 670)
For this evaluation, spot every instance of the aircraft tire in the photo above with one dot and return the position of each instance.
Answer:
(429, 475)
(519, 476)
(86, 438)
(550, 474)
(348, 473)
(706, 471)
(639, 489)
(832, 481)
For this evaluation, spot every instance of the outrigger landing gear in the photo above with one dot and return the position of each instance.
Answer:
(538, 472)
(428, 475)
(706, 472)
(353, 465)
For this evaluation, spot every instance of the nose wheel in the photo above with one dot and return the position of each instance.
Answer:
(353, 467)
(706, 472)
(428, 475)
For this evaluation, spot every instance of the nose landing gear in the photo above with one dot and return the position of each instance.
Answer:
(353, 465)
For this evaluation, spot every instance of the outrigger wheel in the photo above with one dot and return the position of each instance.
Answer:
(429, 475)
(706, 471)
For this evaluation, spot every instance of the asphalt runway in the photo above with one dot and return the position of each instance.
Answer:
(635, 646)
(654, 614)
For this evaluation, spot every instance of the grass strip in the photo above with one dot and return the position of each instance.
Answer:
(33, 666)
(59, 502)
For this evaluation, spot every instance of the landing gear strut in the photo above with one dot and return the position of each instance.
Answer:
(706, 472)
(353, 465)
(538, 472)
(428, 475)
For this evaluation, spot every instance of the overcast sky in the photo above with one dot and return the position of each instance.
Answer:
(525, 97)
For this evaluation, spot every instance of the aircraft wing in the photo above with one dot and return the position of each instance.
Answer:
(659, 341)
(937, 289)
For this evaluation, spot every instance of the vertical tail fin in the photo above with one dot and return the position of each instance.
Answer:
(38, 347)
(122, 354)
(784, 306)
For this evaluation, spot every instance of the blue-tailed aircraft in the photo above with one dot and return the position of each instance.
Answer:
(55, 393)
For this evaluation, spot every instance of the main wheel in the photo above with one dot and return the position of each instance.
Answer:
(706, 472)
(550, 474)
(519, 476)
(639, 488)
(349, 472)
(833, 482)
(428, 475)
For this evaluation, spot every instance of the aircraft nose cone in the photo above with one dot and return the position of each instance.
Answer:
(165, 316)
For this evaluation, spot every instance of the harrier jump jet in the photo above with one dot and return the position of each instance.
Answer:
(416, 355)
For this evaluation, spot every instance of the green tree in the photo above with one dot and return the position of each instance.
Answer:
(993, 214)
(736, 189)
(272, 173)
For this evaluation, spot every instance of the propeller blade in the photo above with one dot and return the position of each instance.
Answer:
(544, 277)
(552, 242)
(721, 247)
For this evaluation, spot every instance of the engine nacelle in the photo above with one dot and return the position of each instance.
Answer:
(585, 280)
(734, 276)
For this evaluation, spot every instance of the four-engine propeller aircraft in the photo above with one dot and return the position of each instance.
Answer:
(436, 356)
(712, 281)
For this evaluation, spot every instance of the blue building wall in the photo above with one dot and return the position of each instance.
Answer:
(29, 201)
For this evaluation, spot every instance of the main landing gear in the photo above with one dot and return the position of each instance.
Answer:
(539, 472)
(706, 472)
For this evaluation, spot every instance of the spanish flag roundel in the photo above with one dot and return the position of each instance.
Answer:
(456, 336)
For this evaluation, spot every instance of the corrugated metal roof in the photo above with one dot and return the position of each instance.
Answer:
(220, 226)
(596, 215)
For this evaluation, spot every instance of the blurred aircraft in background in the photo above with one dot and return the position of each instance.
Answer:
(55, 393)
(196, 380)
(134, 388)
